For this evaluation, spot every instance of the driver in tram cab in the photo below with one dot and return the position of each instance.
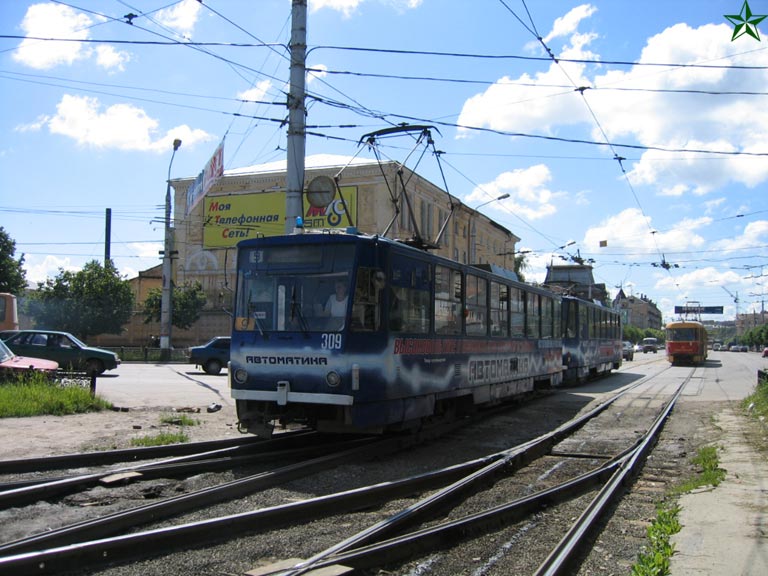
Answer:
(336, 305)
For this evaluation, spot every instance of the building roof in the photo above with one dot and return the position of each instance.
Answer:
(313, 162)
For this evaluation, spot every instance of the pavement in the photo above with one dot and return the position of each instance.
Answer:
(725, 529)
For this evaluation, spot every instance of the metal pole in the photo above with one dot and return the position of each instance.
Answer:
(166, 302)
(472, 235)
(107, 236)
(296, 140)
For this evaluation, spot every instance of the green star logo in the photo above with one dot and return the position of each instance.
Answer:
(745, 22)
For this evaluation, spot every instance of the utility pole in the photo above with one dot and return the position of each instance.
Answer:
(107, 235)
(166, 302)
(296, 140)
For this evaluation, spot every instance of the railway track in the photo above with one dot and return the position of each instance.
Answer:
(385, 541)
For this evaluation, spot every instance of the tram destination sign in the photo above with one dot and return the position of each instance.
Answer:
(698, 309)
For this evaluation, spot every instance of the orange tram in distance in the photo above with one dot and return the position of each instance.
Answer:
(686, 342)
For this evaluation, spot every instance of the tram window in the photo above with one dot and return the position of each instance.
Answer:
(533, 317)
(517, 312)
(476, 305)
(499, 309)
(366, 303)
(584, 319)
(447, 302)
(547, 328)
(409, 297)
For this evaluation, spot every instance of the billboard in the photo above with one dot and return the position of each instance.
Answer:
(213, 170)
(698, 309)
(229, 219)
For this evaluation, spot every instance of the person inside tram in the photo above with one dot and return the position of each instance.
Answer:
(336, 305)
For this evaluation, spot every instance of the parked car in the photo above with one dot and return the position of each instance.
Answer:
(11, 364)
(64, 348)
(765, 352)
(627, 350)
(212, 356)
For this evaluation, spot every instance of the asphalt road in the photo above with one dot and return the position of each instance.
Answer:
(137, 385)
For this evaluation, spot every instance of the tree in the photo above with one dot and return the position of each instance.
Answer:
(13, 277)
(188, 302)
(519, 266)
(94, 300)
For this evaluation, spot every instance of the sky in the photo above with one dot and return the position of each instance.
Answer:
(630, 135)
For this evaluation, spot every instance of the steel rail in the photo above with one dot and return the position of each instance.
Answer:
(114, 523)
(127, 546)
(63, 461)
(563, 554)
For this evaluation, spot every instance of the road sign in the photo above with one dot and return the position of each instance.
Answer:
(698, 309)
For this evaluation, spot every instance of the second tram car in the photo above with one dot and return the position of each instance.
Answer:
(353, 333)
(687, 342)
(591, 340)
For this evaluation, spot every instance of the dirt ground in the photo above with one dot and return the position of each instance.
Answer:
(107, 430)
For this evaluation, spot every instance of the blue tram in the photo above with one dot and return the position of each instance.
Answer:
(591, 340)
(352, 333)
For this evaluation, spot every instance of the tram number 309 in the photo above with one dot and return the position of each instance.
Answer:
(331, 341)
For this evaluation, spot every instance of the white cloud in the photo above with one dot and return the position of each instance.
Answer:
(754, 234)
(109, 58)
(318, 71)
(39, 271)
(256, 92)
(662, 119)
(121, 126)
(180, 17)
(631, 231)
(567, 24)
(529, 195)
(52, 21)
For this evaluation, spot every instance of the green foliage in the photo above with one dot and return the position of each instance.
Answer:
(756, 404)
(13, 277)
(161, 439)
(178, 420)
(94, 300)
(520, 265)
(36, 396)
(633, 334)
(187, 303)
(757, 336)
(655, 560)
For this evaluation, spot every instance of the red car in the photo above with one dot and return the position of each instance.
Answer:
(765, 352)
(11, 364)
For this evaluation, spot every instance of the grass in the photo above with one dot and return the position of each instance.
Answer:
(756, 405)
(655, 560)
(168, 437)
(34, 395)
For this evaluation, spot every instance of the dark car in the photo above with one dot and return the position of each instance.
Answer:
(212, 356)
(11, 364)
(64, 348)
(627, 350)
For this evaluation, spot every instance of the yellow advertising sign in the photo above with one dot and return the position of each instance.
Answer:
(229, 219)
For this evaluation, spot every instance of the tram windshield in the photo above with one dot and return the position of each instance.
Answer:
(293, 288)
(681, 334)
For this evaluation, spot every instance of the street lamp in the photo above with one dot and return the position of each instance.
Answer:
(166, 302)
(472, 235)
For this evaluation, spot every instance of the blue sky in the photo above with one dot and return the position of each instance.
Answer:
(89, 124)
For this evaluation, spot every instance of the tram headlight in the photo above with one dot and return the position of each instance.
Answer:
(241, 376)
(333, 379)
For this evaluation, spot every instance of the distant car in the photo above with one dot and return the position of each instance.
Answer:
(627, 350)
(11, 364)
(650, 345)
(765, 352)
(715, 347)
(64, 348)
(735, 348)
(639, 347)
(212, 356)
(744, 348)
